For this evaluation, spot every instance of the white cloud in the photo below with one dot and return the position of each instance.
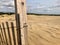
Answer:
(1, 6)
(7, 2)
(40, 6)
(57, 2)
(50, 9)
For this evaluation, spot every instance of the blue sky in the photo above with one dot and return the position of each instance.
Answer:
(34, 6)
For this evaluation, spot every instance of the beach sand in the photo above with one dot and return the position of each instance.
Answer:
(42, 30)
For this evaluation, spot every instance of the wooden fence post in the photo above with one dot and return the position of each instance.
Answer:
(20, 9)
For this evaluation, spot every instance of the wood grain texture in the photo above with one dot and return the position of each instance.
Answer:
(21, 10)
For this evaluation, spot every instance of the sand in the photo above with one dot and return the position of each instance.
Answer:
(42, 30)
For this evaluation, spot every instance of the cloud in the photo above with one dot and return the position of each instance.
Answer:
(7, 6)
(1, 6)
(49, 9)
(40, 6)
(6, 2)
(57, 2)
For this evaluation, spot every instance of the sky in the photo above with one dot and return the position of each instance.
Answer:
(44, 6)
(34, 6)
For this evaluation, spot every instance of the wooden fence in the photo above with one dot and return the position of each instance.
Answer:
(10, 34)
(15, 35)
(5, 34)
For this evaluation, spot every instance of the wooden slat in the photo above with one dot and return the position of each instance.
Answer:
(0, 39)
(2, 33)
(7, 25)
(5, 33)
(13, 33)
(1, 36)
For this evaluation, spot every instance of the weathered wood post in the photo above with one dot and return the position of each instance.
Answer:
(20, 11)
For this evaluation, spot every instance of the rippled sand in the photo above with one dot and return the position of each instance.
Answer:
(42, 30)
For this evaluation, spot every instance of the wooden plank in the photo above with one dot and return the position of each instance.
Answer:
(3, 36)
(17, 25)
(18, 30)
(20, 9)
(23, 5)
(7, 25)
(5, 33)
(13, 33)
